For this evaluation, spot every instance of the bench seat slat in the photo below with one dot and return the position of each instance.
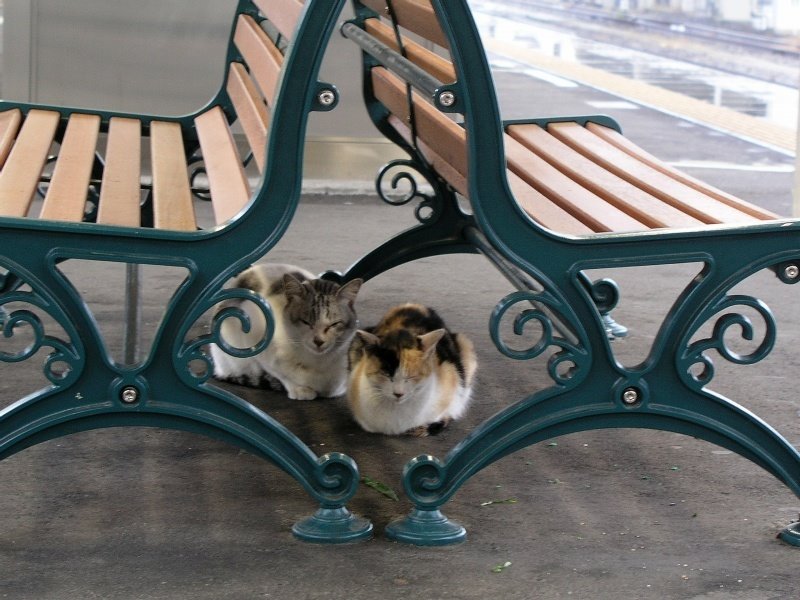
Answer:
(251, 111)
(655, 182)
(230, 190)
(621, 142)
(66, 195)
(641, 205)
(10, 121)
(263, 58)
(120, 196)
(20, 174)
(447, 140)
(415, 15)
(172, 196)
(587, 207)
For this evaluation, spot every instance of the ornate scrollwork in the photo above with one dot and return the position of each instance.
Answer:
(427, 209)
(423, 480)
(337, 476)
(230, 300)
(64, 364)
(696, 352)
(563, 364)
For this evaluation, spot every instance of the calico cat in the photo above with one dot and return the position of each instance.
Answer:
(315, 322)
(409, 374)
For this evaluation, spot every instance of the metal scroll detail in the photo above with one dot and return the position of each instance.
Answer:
(191, 355)
(563, 364)
(64, 364)
(695, 365)
(405, 186)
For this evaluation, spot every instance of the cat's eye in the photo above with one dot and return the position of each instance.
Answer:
(304, 322)
(332, 325)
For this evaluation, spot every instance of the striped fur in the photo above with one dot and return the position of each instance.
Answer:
(315, 321)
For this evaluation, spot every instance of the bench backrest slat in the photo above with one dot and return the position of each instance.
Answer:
(263, 58)
(417, 16)
(251, 111)
(66, 196)
(441, 68)
(120, 195)
(230, 190)
(172, 196)
(10, 121)
(22, 170)
(283, 14)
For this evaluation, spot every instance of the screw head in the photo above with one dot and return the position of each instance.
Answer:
(791, 271)
(630, 396)
(447, 99)
(129, 395)
(326, 97)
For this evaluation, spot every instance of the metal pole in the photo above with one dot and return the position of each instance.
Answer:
(133, 313)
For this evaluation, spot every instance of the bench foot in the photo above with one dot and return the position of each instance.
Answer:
(332, 526)
(426, 528)
(791, 534)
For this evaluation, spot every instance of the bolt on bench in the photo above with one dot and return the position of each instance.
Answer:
(577, 192)
(97, 206)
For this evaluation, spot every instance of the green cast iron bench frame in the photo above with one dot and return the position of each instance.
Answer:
(98, 206)
(575, 191)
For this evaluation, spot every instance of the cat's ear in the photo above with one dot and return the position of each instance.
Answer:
(368, 338)
(349, 291)
(292, 287)
(429, 341)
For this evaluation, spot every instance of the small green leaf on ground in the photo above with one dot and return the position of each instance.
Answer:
(551, 444)
(501, 567)
(380, 487)
(674, 468)
(506, 501)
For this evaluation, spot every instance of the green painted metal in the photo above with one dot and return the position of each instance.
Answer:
(669, 390)
(88, 390)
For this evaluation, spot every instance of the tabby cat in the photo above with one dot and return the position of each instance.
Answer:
(315, 322)
(409, 374)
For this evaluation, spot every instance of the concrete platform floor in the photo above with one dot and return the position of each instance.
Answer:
(151, 514)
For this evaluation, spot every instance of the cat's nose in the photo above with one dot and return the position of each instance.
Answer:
(318, 342)
(398, 395)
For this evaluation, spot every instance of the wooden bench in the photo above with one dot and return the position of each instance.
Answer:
(576, 191)
(108, 199)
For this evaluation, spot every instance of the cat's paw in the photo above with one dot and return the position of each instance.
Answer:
(301, 392)
(420, 431)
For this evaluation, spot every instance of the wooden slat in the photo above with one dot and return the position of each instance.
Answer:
(537, 206)
(638, 203)
(263, 58)
(438, 66)
(20, 175)
(172, 197)
(251, 111)
(543, 210)
(9, 125)
(284, 14)
(587, 207)
(230, 190)
(415, 15)
(66, 195)
(444, 136)
(617, 139)
(120, 193)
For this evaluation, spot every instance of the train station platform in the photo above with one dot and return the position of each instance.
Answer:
(149, 514)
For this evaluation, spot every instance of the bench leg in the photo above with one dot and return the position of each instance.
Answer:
(590, 393)
(88, 390)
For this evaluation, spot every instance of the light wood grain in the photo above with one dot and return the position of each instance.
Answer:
(120, 195)
(172, 196)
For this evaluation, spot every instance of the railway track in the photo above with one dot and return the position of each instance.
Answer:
(783, 45)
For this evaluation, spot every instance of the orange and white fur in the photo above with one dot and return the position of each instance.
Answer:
(409, 374)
